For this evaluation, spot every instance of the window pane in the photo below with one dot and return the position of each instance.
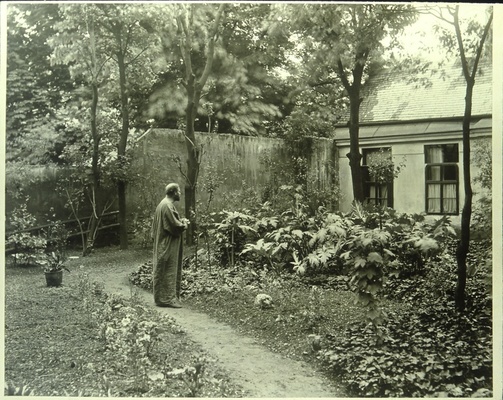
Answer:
(433, 154)
(373, 192)
(449, 201)
(383, 195)
(433, 172)
(451, 153)
(384, 192)
(433, 196)
(442, 179)
(434, 205)
(450, 172)
(434, 190)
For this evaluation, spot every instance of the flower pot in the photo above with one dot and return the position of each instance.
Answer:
(54, 278)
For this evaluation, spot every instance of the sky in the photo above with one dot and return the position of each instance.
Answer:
(422, 34)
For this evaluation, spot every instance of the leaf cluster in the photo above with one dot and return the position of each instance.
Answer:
(30, 247)
(430, 350)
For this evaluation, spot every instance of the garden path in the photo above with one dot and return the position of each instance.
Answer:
(260, 372)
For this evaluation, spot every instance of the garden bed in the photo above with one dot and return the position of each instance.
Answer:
(57, 345)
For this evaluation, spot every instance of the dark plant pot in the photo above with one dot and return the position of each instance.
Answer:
(54, 278)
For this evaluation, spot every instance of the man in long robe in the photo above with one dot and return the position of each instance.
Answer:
(167, 230)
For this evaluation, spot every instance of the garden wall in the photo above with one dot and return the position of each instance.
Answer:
(39, 183)
(240, 161)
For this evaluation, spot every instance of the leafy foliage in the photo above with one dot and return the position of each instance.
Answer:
(382, 168)
(481, 222)
(230, 235)
(449, 354)
(29, 247)
(35, 91)
(142, 276)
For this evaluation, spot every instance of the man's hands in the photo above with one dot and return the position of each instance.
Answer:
(185, 222)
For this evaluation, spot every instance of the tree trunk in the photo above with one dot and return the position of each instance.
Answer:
(96, 179)
(354, 147)
(121, 151)
(94, 189)
(194, 89)
(464, 242)
(193, 159)
(353, 90)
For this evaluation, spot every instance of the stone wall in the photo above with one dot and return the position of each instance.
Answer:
(237, 159)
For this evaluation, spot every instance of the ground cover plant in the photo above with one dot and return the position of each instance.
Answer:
(402, 336)
(77, 340)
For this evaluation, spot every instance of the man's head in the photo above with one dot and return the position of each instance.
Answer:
(173, 191)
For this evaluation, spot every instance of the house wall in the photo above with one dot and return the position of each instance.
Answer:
(409, 186)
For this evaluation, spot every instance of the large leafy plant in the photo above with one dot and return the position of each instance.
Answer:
(231, 233)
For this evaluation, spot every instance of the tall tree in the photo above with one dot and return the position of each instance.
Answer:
(348, 40)
(194, 85)
(78, 43)
(35, 90)
(467, 39)
(128, 44)
(102, 43)
(243, 88)
(189, 48)
(223, 57)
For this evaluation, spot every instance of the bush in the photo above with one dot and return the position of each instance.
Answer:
(231, 234)
(142, 277)
(428, 350)
(141, 227)
(30, 248)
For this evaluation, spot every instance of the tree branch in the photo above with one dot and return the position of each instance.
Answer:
(211, 46)
(464, 63)
(342, 75)
(313, 85)
(136, 57)
(437, 13)
(185, 46)
(481, 43)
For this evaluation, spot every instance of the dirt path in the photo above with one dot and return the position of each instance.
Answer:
(260, 372)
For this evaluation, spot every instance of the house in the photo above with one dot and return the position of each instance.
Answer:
(420, 124)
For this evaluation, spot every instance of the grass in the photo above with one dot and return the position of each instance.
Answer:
(54, 347)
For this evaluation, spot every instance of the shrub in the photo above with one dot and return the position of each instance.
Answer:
(142, 277)
(131, 334)
(481, 223)
(30, 248)
(141, 227)
(231, 234)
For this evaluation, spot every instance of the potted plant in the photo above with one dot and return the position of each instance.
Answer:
(53, 269)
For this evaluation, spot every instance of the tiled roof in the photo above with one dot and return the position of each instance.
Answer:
(393, 97)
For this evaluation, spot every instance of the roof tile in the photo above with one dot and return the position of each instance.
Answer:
(394, 97)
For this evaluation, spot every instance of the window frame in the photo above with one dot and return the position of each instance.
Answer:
(441, 182)
(367, 183)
